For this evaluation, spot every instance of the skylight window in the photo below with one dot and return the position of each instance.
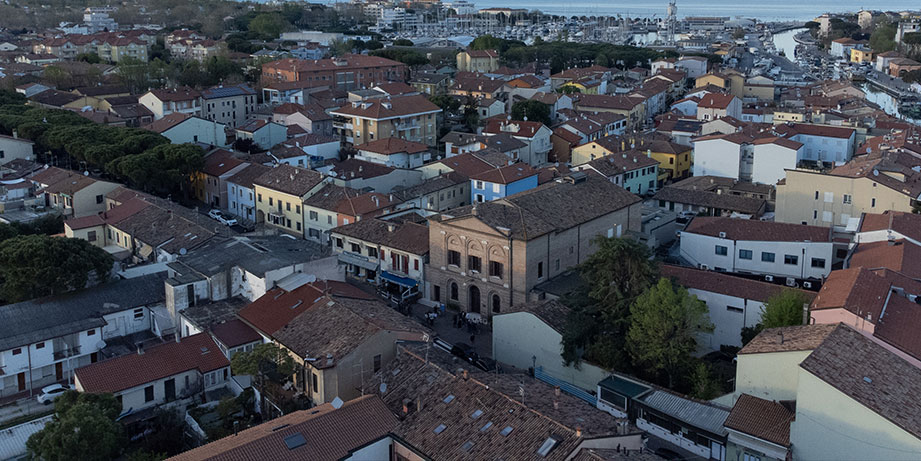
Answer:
(486, 426)
(449, 398)
(547, 446)
(476, 414)
(441, 428)
(467, 446)
(506, 431)
(295, 440)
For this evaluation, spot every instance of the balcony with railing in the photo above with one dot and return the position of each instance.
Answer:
(64, 353)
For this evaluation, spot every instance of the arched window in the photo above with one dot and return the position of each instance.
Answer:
(453, 291)
(496, 304)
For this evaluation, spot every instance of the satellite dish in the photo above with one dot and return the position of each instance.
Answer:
(875, 172)
(869, 150)
(183, 251)
(86, 173)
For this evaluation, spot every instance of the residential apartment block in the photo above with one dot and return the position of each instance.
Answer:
(347, 72)
(412, 118)
(229, 105)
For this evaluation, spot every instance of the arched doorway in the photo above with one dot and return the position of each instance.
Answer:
(474, 299)
(496, 304)
(453, 292)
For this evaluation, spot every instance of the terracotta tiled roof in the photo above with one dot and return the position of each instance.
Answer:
(601, 101)
(333, 327)
(353, 168)
(783, 142)
(789, 339)
(724, 283)
(219, 162)
(409, 237)
(620, 162)
(289, 179)
(524, 129)
(763, 231)
(331, 434)
(367, 204)
(507, 174)
(390, 146)
(907, 224)
(857, 290)
(387, 108)
(278, 307)
(870, 375)
(196, 352)
(554, 206)
(552, 312)
(761, 418)
(168, 121)
(899, 255)
(246, 176)
(815, 130)
(346, 62)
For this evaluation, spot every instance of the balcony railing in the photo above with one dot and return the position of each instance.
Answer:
(64, 353)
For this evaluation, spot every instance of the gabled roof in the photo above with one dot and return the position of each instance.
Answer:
(899, 255)
(552, 312)
(330, 433)
(246, 176)
(410, 237)
(869, 374)
(219, 162)
(289, 179)
(227, 91)
(196, 352)
(168, 122)
(789, 339)
(369, 203)
(277, 307)
(907, 224)
(175, 94)
(716, 101)
(620, 162)
(857, 290)
(724, 283)
(554, 206)
(46, 318)
(762, 231)
(763, 419)
(507, 174)
(601, 101)
(524, 129)
(391, 146)
(388, 108)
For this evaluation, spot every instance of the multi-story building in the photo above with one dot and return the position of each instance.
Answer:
(478, 61)
(535, 136)
(163, 102)
(241, 194)
(44, 341)
(392, 255)
(412, 118)
(209, 184)
(72, 193)
(488, 256)
(633, 169)
(869, 184)
(501, 182)
(821, 143)
(280, 194)
(229, 105)
(674, 159)
(347, 72)
(758, 247)
(394, 152)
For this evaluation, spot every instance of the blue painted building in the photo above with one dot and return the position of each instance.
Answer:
(501, 182)
(241, 193)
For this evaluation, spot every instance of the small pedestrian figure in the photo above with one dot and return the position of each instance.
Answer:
(472, 339)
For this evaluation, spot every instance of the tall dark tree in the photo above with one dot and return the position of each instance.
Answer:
(39, 265)
(614, 276)
(83, 427)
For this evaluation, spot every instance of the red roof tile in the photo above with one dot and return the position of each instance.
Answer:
(196, 352)
(277, 307)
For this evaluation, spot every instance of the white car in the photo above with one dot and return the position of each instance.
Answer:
(49, 393)
(219, 216)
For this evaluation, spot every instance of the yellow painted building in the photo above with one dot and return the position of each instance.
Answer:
(674, 159)
(861, 56)
(832, 199)
(280, 195)
(478, 61)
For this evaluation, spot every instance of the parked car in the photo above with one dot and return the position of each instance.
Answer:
(219, 216)
(49, 393)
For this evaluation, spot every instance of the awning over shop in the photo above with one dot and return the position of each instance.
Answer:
(405, 281)
(355, 260)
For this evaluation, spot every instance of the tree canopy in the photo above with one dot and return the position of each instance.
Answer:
(39, 265)
(409, 57)
(162, 168)
(781, 310)
(83, 427)
(664, 323)
(535, 111)
(614, 276)
(264, 358)
(883, 38)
